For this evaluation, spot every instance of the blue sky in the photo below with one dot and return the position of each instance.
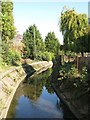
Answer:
(44, 14)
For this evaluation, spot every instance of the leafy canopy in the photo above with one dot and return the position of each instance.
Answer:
(33, 42)
(52, 43)
(8, 28)
(73, 27)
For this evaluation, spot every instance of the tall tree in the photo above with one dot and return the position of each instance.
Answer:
(33, 42)
(8, 28)
(73, 27)
(52, 43)
(87, 44)
(0, 29)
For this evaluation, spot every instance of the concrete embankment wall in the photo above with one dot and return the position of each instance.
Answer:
(79, 107)
(10, 80)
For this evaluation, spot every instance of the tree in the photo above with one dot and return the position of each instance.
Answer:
(33, 42)
(0, 30)
(52, 43)
(87, 40)
(73, 27)
(8, 28)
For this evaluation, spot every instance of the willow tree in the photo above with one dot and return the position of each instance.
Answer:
(8, 28)
(73, 27)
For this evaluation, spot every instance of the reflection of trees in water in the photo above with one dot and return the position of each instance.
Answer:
(32, 87)
(48, 86)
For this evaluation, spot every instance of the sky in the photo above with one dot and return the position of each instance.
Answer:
(45, 15)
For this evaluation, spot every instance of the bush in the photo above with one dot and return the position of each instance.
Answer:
(84, 75)
(78, 79)
(39, 56)
(1, 61)
(68, 71)
(11, 57)
(47, 56)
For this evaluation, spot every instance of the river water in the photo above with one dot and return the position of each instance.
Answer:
(35, 98)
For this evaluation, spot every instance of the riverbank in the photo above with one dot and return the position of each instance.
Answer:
(10, 80)
(79, 107)
(76, 98)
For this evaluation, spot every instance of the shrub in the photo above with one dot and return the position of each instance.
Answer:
(76, 78)
(12, 56)
(1, 61)
(84, 75)
(68, 71)
(39, 55)
(47, 56)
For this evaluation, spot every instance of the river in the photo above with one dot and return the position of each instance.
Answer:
(35, 98)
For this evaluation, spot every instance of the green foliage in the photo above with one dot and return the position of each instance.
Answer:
(1, 61)
(82, 82)
(9, 55)
(73, 72)
(52, 43)
(68, 71)
(84, 75)
(46, 56)
(33, 42)
(39, 56)
(77, 79)
(87, 40)
(73, 27)
(0, 20)
(12, 57)
(8, 29)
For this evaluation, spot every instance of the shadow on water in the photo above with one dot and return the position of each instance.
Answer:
(29, 70)
(55, 70)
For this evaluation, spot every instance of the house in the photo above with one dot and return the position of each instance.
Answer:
(17, 43)
(18, 37)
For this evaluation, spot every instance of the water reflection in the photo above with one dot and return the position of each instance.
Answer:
(33, 86)
(35, 98)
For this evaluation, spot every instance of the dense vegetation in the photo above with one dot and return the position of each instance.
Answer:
(33, 42)
(7, 29)
(74, 28)
(70, 78)
(32, 46)
(36, 48)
